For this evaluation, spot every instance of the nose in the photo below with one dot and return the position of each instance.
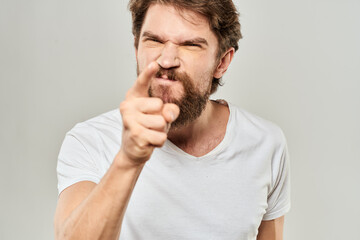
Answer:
(169, 56)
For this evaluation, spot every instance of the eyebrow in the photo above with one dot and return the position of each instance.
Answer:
(198, 40)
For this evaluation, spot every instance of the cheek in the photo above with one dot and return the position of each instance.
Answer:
(202, 73)
(198, 61)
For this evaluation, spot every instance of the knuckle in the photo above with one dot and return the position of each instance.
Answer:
(162, 138)
(127, 120)
(141, 144)
(136, 133)
(123, 106)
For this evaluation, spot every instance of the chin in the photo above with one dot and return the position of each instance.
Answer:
(166, 93)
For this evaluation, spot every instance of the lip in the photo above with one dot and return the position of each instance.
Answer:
(165, 80)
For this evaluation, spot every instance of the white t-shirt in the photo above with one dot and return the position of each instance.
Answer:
(222, 195)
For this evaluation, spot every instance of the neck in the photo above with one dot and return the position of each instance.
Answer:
(211, 123)
(194, 128)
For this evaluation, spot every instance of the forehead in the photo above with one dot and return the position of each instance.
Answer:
(172, 23)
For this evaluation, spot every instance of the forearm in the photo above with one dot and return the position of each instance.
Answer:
(100, 215)
(271, 230)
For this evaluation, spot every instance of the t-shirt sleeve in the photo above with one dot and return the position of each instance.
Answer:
(279, 194)
(75, 162)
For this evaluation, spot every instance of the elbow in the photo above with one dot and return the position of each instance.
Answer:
(60, 231)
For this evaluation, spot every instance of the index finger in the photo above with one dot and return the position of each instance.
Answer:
(142, 83)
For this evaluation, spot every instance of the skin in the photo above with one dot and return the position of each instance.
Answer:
(271, 230)
(87, 210)
(180, 44)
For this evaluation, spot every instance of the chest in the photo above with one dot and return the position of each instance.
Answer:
(220, 201)
(202, 146)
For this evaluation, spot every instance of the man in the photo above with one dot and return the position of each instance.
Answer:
(203, 169)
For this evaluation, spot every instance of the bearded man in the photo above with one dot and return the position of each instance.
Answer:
(170, 163)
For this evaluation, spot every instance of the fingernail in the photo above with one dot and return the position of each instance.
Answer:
(168, 126)
(172, 116)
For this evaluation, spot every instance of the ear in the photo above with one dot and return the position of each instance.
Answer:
(224, 63)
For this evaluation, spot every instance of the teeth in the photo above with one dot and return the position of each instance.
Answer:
(164, 76)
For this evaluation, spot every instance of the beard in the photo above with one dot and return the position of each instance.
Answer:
(192, 101)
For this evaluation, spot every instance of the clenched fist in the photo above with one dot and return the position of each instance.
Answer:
(146, 120)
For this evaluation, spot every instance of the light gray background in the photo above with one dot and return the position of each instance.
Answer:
(65, 61)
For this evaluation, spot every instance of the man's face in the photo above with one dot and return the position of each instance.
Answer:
(184, 46)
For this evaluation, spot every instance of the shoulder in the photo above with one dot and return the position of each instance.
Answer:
(92, 133)
(108, 121)
(93, 140)
(256, 127)
(88, 149)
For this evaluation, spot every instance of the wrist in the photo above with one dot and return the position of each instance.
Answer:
(122, 161)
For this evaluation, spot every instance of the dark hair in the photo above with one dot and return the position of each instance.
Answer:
(221, 14)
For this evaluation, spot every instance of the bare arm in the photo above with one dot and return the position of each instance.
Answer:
(89, 211)
(271, 230)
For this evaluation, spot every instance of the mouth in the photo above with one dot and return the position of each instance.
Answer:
(165, 79)
(169, 75)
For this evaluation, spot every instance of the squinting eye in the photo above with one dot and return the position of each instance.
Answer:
(153, 40)
(193, 45)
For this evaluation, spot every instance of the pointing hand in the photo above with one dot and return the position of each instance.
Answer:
(146, 119)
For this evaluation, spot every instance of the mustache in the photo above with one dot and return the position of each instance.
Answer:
(170, 73)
